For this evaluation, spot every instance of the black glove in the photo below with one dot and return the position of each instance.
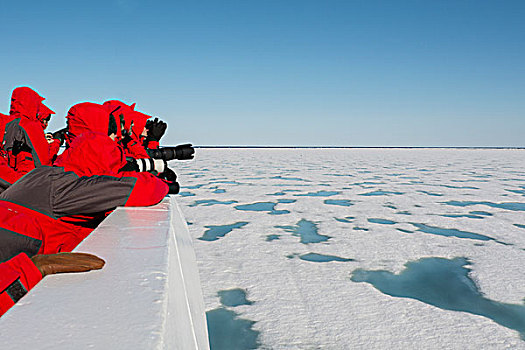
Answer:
(156, 129)
(168, 175)
(171, 180)
(180, 152)
(60, 135)
(126, 138)
(173, 187)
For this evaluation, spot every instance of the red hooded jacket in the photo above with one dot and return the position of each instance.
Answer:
(52, 209)
(88, 116)
(4, 119)
(133, 123)
(43, 113)
(69, 200)
(24, 139)
(91, 117)
(7, 174)
(17, 276)
(25, 103)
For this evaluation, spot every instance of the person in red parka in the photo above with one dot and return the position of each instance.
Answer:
(140, 135)
(21, 273)
(132, 125)
(4, 119)
(137, 125)
(44, 115)
(24, 139)
(69, 200)
(21, 268)
(52, 209)
(88, 116)
(7, 174)
(17, 276)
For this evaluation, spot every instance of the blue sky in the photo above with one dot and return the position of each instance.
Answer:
(345, 73)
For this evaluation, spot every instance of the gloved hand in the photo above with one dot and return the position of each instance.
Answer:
(125, 139)
(171, 179)
(49, 264)
(168, 175)
(156, 129)
(173, 187)
(60, 135)
(181, 152)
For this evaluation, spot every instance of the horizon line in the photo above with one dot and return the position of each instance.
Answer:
(369, 147)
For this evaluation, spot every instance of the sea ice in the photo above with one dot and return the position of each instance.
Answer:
(432, 208)
(445, 284)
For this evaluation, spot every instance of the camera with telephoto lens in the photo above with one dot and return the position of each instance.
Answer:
(180, 152)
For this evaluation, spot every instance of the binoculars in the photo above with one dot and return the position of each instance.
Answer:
(180, 152)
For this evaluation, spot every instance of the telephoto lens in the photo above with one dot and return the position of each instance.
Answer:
(180, 152)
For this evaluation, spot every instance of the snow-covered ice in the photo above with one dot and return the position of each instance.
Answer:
(362, 248)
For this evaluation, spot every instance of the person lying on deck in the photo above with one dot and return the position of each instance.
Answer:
(53, 208)
(91, 117)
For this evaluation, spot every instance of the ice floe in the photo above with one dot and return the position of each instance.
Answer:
(426, 221)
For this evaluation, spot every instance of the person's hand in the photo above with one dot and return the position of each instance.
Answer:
(49, 137)
(49, 264)
(59, 135)
(168, 175)
(125, 139)
(171, 180)
(156, 129)
(173, 187)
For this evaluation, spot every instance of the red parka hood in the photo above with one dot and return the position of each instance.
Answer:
(139, 123)
(112, 105)
(121, 112)
(134, 120)
(25, 103)
(44, 111)
(92, 153)
(87, 116)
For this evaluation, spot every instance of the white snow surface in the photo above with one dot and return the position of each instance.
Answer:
(299, 304)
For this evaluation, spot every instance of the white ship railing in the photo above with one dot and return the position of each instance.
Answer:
(148, 296)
